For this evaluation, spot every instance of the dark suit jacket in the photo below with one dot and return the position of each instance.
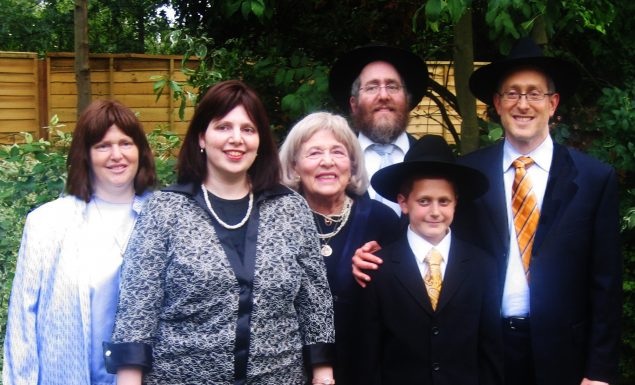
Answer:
(403, 341)
(575, 287)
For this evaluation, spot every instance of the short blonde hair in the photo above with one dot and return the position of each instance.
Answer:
(304, 130)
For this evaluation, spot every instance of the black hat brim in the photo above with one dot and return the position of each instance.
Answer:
(485, 81)
(469, 183)
(411, 68)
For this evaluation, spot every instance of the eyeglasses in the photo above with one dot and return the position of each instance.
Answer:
(373, 89)
(532, 96)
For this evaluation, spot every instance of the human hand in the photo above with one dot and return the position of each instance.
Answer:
(364, 259)
(586, 381)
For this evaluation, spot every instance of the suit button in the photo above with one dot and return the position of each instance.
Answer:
(435, 330)
(436, 367)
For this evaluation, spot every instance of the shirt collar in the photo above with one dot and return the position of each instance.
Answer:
(420, 247)
(541, 155)
(401, 142)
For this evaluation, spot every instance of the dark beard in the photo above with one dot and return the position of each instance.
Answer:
(384, 131)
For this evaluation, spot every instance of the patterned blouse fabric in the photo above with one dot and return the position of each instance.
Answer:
(184, 296)
(48, 339)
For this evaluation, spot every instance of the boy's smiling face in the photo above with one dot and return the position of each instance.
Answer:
(430, 207)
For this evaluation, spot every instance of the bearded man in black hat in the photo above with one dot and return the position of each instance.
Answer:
(379, 86)
(551, 220)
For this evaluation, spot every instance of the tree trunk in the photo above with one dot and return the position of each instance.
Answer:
(141, 29)
(82, 66)
(463, 68)
(539, 31)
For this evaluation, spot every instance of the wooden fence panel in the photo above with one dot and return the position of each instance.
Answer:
(426, 117)
(18, 94)
(30, 96)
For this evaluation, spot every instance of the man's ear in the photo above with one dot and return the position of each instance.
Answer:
(402, 199)
(554, 100)
(353, 104)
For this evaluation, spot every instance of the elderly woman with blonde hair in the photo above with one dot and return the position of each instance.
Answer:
(322, 160)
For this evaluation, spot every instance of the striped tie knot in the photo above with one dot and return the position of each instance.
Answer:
(522, 162)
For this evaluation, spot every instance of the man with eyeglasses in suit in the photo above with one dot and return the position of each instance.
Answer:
(379, 86)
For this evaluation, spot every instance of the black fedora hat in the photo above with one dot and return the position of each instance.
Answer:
(525, 52)
(346, 69)
(430, 156)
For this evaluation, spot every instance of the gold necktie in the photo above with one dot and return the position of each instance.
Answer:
(525, 210)
(432, 278)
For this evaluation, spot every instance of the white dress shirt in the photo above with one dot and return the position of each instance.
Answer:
(420, 248)
(373, 161)
(516, 289)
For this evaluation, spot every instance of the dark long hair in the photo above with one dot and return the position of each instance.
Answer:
(91, 128)
(219, 100)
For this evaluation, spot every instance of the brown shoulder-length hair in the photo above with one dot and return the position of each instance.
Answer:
(218, 101)
(91, 128)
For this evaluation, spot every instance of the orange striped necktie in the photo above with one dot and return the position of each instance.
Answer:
(432, 279)
(525, 210)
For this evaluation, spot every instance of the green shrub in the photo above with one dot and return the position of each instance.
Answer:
(613, 141)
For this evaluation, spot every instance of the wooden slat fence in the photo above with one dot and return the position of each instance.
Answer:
(33, 89)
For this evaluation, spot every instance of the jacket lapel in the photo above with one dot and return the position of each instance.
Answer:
(407, 273)
(561, 188)
(455, 272)
(494, 199)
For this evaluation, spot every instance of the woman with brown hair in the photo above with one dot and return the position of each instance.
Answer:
(223, 282)
(66, 282)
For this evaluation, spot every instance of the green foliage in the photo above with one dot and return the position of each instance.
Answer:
(290, 85)
(492, 132)
(165, 145)
(442, 11)
(47, 26)
(613, 140)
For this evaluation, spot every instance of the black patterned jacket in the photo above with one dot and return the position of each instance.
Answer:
(190, 312)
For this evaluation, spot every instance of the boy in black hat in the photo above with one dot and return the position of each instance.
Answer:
(430, 314)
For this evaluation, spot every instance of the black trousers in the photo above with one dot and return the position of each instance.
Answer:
(519, 366)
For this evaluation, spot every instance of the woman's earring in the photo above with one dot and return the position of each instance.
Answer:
(202, 150)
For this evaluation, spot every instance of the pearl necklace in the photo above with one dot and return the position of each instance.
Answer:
(327, 250)
(225, 225)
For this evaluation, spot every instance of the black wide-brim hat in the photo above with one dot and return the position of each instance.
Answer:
(484, 81)
(411, 68)
(432, 157)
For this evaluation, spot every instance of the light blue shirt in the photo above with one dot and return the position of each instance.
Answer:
(111, 225)
(373, 161)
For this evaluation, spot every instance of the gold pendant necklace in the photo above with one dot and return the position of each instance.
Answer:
(325, 238)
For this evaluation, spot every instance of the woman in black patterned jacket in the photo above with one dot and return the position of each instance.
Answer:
(223, 282)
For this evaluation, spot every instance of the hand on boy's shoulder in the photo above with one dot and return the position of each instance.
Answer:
(364, 261)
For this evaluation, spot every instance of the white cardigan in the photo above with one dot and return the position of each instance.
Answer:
(49, 325)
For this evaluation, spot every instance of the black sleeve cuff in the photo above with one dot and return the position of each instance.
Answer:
(319, 354)
(127, 354)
